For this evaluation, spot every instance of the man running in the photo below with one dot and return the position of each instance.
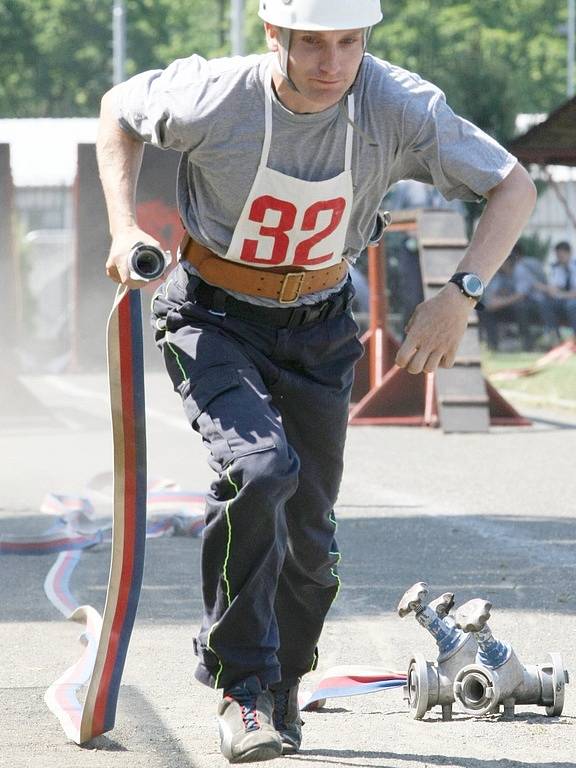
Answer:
(285, 159)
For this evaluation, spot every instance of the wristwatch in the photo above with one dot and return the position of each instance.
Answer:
(470, 285)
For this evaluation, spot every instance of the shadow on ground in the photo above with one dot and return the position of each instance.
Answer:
(337, 757)
(139, 732)
(518, 563)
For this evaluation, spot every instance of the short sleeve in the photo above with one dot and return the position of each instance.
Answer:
(158, 106)
(446, 150)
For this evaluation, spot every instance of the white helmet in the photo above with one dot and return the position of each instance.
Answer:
(321, 15)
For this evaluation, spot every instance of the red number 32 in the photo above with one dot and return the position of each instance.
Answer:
(288, 213)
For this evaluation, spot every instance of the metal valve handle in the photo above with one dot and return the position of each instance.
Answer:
(412, 599)
(443, 604)
(473, 615)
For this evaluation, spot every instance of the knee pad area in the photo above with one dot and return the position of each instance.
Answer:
(269, 475)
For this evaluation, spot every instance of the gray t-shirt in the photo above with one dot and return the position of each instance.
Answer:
(213, 112)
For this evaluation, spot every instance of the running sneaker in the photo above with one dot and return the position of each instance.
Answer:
(286, 718)
(245, 722)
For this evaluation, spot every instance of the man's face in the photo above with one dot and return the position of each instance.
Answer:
(322, 65)
(563, 255)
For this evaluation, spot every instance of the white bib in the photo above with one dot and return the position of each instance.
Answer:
(291, 222)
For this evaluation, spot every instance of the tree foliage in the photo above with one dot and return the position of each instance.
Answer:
(492, 58)
(56, 55)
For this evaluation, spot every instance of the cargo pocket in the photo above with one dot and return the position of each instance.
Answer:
(197, 395)
(228, 425)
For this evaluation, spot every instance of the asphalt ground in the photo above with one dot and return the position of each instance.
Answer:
(487, 516)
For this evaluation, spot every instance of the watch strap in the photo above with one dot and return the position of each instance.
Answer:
(458, 280)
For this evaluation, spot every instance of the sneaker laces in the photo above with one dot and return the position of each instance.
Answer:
(247, 701)
(280, 708)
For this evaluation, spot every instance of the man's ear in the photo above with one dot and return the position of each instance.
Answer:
(271, 36)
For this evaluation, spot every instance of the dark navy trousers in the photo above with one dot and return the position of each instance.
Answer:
(271, 404)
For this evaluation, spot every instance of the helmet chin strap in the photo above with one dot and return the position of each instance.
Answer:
(285, 39)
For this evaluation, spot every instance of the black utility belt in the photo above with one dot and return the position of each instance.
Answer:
(218, 301)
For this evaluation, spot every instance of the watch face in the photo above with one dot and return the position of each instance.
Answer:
(473, 285)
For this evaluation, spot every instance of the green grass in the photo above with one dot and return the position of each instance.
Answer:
(553, 385)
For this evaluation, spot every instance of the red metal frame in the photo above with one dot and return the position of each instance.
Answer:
(383, 393)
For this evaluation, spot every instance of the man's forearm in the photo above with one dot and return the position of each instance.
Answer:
(508, 209)
(119, 160)
(437, 326)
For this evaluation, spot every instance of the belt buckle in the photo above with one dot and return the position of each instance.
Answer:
(285, 287)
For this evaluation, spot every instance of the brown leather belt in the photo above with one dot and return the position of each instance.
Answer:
(286, 287)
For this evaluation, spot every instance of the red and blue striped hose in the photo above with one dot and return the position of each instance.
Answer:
(106, 640)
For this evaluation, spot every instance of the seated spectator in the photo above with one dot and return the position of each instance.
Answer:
(530, 280)
(562, 286)
(517, 293)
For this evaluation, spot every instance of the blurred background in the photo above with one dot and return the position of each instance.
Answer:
(508, 67)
